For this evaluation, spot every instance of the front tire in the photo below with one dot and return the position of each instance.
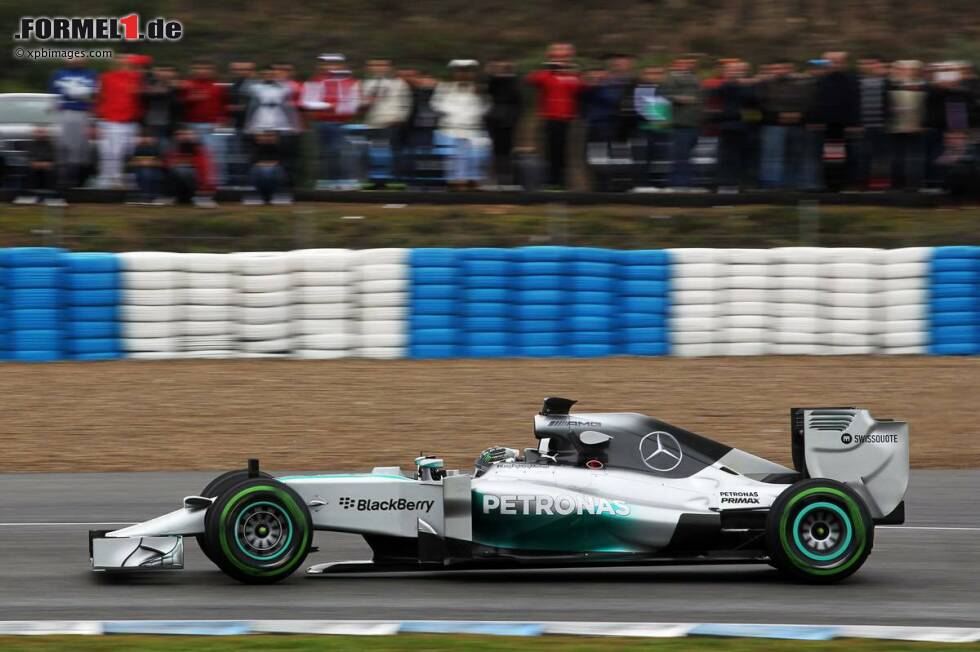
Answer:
(819, 531)
(215, 489)
(258, 531)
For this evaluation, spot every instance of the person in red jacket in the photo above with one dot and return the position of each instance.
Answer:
(330, 100)
(189, 171)
(559, 85)
(118, 109)
(205, 109)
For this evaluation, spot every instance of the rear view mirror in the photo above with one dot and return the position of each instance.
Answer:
(593, 438)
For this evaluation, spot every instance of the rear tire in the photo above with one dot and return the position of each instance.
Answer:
(819, 531)
(214, 489)
(259, 531)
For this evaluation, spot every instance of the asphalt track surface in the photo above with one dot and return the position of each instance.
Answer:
(924, 573)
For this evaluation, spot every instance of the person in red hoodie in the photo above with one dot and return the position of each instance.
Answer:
(205, 109)
(331, 99)
(189, 171)
(559, 85)
(118, 109)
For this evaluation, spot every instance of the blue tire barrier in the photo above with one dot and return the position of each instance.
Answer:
(487, 281)
(91, 263)
(595, 323)
(91, 313)
(32, 257)
(26, 355)
(645, 272)
(427, 321)
(486, 351)
(541, 351)
(434, 275)
(965, 303)
(646, 348)
(531, 283)
(598, 350)
(644, 334)
(435, 351)
(542, 254)
(433, 336)
(92, 329)
(97, 356)
(592, 268)
(649, 304)
(486, 324)
(590, 337)
(441, 291)
(93, 345)
(434, 257)
(592, 284)
(25, 298)
(643, 288)
(473, 268)
(644, 257)
(35, 340)
(588, 297)
(487, 253)
(93, 297)
(537, 311)
(489, 339)
(48, 319)
(594, 254)
(538, 326)
(487, 309)
(949, 290)
(34, 277)
(964, 318)
(434, 306)
(643, 319)
(577, 309)
(539, 268)
(486, 295)
(94, 281)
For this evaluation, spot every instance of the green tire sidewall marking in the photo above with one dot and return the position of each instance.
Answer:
(796, 531)
(289, 535)
(288, 502)
(855, 515)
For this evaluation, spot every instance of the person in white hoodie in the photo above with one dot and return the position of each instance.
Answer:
(386, 100)
(462, 108)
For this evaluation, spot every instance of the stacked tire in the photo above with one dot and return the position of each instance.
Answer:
(851, 287)
(151, 304)
(91, 315)
(747, 318)
(539, 301)
(323, 303)
(434, 322)
(644, 302)
(382, 295)
(209, 313)
(904, 314)
(796, 306)
(954, 307)
(592, 309)
(35, 303)
(696, 300)
(265, 312)
(486, 302)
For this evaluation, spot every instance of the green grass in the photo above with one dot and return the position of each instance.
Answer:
(232, 227)
(445, 643)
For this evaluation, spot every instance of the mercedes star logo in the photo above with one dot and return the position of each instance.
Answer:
(661, 451)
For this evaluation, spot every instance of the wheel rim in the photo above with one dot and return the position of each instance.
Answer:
(263, 531)
(822, 531)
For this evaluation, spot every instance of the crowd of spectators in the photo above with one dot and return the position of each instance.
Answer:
(825, 124)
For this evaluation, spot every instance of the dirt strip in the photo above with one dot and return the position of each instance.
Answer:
(352, 414)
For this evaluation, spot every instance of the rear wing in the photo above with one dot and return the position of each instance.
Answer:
(847, 444)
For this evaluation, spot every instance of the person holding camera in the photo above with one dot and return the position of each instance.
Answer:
(559, 86)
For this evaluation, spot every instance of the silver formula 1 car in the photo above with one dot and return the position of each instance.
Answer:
(599, 489)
